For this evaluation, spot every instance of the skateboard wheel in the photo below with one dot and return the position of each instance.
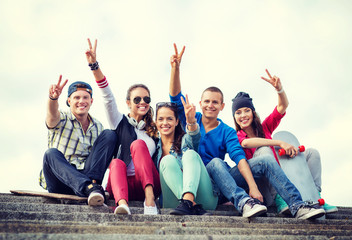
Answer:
(301, 148)
(282, 152)
(321, 201)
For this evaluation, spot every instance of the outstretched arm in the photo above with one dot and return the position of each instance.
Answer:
(259, 142)
(53, 114)
(175, 83)
(276, 83)
(114, 116)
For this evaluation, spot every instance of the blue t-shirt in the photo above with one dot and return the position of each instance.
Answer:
(215, 143)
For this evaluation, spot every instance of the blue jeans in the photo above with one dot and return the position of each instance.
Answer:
(62, 177)
(232, 184)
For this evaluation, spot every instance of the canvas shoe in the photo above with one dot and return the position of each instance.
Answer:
(122, 209)
(199, 210)
(252, 208)
(150, 210)
(96, 195)
(307, 212)
(329, 208)
(281, 205)
(184, 208)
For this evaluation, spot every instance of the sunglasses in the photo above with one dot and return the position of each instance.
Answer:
(166, 104)
(137, 100)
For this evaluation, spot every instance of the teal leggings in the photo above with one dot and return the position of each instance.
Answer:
(188, 176)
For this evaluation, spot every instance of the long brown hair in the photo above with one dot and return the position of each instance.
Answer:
(179, 132)
(150, 126)
(256, 125)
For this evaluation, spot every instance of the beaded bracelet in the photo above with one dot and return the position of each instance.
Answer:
(93, 66)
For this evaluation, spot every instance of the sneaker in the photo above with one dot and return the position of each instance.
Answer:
(199, 210)
(281, 205)
(96, 195)
(150, 210)
(122, 209)
(252, 208)
(307, 212)
(184, 208)
(329, 208)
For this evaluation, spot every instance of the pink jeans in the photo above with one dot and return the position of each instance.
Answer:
(132, 187)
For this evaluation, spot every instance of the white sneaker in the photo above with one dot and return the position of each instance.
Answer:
(122, 209)
(306, 212)
(149, 210)
(95, 199)
(253, 208)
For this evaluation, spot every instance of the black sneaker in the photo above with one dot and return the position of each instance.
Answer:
(96, 195)
(199, 210)
(184, 208)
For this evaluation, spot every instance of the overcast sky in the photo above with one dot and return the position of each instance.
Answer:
(229, 44)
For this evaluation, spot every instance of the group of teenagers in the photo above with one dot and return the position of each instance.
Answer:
(176, 158)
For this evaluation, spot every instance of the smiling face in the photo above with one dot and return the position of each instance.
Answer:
(80, 102)
(211, 104)
(166, 121)
(140, 109)
(244, 117)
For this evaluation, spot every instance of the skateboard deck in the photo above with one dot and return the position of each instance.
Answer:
(57, 196)
(296, 169)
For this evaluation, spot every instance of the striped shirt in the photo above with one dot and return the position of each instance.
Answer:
(70, 139)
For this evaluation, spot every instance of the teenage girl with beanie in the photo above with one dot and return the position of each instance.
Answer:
(133, 176)
(185, 182)
(253, 134)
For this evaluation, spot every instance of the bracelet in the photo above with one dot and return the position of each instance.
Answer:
(53, 98)
(281, 91)
(93, 66)
(191, 124)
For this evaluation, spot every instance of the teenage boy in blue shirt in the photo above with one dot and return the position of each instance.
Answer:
(217, 139)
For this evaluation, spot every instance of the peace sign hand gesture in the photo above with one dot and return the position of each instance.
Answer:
(275, 81)
(190, 112)
(91, 53)
(55, 90)
(175, 60)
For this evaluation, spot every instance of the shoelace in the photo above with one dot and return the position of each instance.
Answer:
(253, 202)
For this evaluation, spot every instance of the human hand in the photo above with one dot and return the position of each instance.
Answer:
(91, 53)
(56, 89)
(175, 60)
(190, 110)
(255, 193)
(275, 81)
(290, 150)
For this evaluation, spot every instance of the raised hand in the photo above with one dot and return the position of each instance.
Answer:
(275, 81)
(190, 111)
(55, 90)
(91, 53)
(175, 60)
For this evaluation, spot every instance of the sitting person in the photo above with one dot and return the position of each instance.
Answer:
(183, 175)
(79, 150)
(133, 175)
(217, 139)
(253, 134)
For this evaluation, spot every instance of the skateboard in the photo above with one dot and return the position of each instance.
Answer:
(63, 198)
(296, 169)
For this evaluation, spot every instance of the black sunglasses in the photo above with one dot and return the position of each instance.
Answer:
(137, 100)
(166, 104)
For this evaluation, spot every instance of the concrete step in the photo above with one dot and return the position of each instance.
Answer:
(23, 217)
